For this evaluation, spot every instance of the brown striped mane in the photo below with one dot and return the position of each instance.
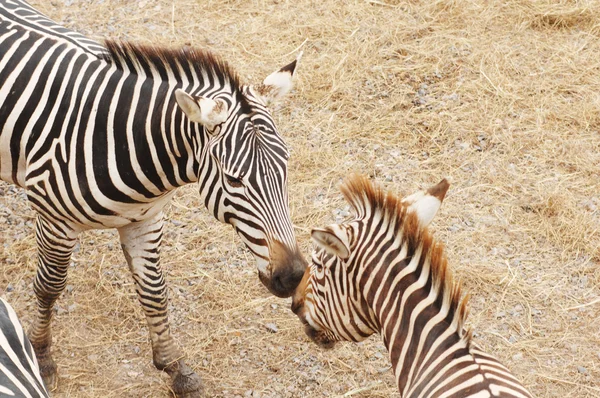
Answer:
(367, 199)
(169, 60)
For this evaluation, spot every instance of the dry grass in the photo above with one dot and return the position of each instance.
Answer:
(503, 97)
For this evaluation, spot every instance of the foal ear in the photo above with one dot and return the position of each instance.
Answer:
(278, 83)
(206, 111)
(427, 203)
(333, 239)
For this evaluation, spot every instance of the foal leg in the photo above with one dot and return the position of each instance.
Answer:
(54, 247)
(141, 245)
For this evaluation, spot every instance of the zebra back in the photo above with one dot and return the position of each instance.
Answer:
(19, 371)
(23, 14)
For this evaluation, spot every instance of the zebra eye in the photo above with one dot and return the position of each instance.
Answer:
(234, 182)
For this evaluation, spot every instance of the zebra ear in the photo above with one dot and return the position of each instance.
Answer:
(427, 203)
(205, 111)
(279, 83)
(333, 239)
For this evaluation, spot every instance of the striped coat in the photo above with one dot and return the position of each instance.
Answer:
(19, 370)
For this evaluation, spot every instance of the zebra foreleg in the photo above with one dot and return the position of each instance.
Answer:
(141, 245)
(54, 254)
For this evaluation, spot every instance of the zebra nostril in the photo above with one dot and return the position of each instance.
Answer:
(277, 284)
(284, 283)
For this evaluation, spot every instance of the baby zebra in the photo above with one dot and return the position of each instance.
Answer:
(19, 370)
(383, 272)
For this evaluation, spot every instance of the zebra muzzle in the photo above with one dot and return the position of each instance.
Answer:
(287, 267)
(319, 337)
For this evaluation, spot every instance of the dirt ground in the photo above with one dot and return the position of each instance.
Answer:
(502, 97)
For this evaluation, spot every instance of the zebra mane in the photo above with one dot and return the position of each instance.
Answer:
(367, 199)
(184, 63)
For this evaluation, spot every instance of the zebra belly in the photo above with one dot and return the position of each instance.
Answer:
(57, 199)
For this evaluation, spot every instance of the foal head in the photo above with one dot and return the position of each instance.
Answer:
(333, 299)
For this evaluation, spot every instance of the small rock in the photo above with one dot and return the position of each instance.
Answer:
(69, 288)
(451, 97)
(271, 327)
(59, 310)
(582, 370)
(10, 288)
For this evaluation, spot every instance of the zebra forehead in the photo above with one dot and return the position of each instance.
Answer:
(250, 145)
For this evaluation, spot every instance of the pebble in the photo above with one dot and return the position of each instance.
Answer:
(451, 97)
(517, 357)
(271, 327)
(582, 370)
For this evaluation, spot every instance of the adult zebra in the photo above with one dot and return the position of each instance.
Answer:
(19, 370)
(101, 138)
(383, 272)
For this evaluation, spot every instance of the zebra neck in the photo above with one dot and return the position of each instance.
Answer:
(168, 146)
(417, 324)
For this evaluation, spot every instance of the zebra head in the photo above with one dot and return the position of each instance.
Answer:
(335, 297)
(243, 172)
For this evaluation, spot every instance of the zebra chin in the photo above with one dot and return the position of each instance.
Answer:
(319, 337)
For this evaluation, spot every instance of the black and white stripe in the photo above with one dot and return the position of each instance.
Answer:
(29, 17)
(383, 272)
(100, 137)
(19, 370)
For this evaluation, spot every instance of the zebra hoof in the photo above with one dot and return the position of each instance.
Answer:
(188, 385)
(49, 373)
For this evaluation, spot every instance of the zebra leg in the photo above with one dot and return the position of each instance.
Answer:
(141, 245)
(54, 254)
